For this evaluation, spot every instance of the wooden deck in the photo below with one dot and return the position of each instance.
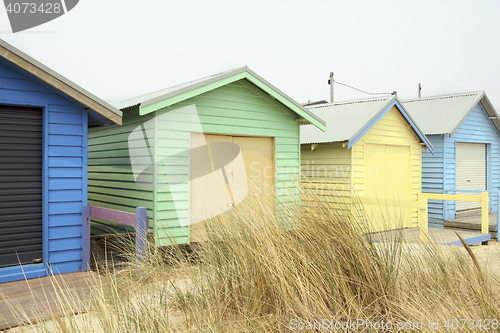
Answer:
(29, 301)
(440, 236)
(473, 223)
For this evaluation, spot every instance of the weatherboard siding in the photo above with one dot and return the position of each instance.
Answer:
(67, 184)
(433, 175)
(327, 171)
(64, 171)
(111, 182)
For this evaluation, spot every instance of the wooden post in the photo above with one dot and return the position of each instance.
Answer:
(423, 222)
(141, 232)
(331, 87)
(419, 90)
(86, 239)
(498, 215)
(484, 213)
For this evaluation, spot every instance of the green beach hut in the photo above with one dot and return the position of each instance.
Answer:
(150, 161)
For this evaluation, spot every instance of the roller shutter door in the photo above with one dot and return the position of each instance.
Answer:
(20, 185)
(471, 171)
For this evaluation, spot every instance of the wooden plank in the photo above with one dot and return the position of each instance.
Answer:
(22, 302)
(142, 225)
(484, 212)
(453, 197)
(471, 223)
(439, 236)
(113, 215)
(423, 222)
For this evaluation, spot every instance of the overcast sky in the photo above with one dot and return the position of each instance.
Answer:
(119, 49)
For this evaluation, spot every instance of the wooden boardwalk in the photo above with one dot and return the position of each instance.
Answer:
(439, 236)
(29, 301)
(473, 223)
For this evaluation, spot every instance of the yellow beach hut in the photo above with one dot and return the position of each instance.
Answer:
(371, 148)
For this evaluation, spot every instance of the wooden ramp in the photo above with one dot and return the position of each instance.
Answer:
(440, 236)
(29, 301)
(472, 223)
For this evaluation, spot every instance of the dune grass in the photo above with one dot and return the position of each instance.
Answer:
(259, 274)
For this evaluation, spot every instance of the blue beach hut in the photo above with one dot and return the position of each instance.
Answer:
(44, 119)
(465, 132)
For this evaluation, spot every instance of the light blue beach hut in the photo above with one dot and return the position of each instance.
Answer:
(465, 132)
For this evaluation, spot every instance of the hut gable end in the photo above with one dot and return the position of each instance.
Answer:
(391, 130)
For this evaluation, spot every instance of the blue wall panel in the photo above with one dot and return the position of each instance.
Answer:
(65, 171)
(65, 183)
(65, 140)
(65, 232)
(65, 162)
(65, 244)
(65, 118)
(66, 219)
(62, 256)
(65, 195)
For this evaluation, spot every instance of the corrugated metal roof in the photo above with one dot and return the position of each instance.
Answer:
(344, 120)
(159, 95)
(444, 114)
(163, 94)
(59, 77)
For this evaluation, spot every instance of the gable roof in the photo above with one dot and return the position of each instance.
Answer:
(350, 120)
(444, 114)
(169, 96)
(59, 82)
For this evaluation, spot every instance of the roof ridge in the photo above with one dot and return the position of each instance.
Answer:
(20, 57)
(354, 101)
(176, 86)
(432, 98)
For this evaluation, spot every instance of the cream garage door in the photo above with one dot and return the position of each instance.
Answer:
(471, 171)
(225, 170)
